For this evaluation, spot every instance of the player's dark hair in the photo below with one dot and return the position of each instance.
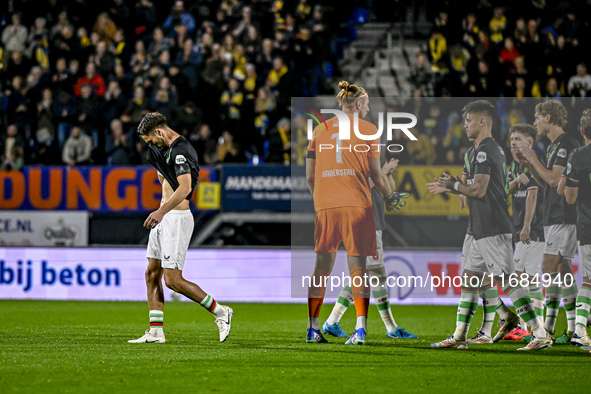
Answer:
(556, 111)
(482, 107)
(586, 122)
(349, 94)
(525, 129)
(150, 122)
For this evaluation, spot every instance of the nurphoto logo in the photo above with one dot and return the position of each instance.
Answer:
(344, 133)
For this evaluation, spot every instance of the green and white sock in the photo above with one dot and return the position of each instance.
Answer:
(553, 293)
(490, 296)
(380, 295)
(344, 301)
(537, 296)
(156, 323)
(466, 309)
(502, 310)
(212, 306)
(525, 309)
(569, 300)
(584, 305)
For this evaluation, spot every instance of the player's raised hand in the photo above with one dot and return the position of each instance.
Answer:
(390, 166)
(396, 201)
(528, 154)
(436, 188)
(523, 179)
(447, 181)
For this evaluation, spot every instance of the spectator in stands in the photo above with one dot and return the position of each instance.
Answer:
(228, 151)
(205, 145)
(165, 100)
(552, 89)
(144, 18)
(421, 76)
(64, 109)
(497, 25)
(580, 83)
(105, 27)
(14, 36)
(136, 109)
(91, 78)
(8, 141)
(158, 43)
(103, 59)
(178, 17)
(117, 149)
(437, 46)
(280, 143)
(89, 114)
(231, 101)
(45, 133)
(188, 117)
(77, 149)
(15, 159)
(65, 43)
(115, 102)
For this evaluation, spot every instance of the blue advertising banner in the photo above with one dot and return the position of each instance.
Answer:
(256, 188)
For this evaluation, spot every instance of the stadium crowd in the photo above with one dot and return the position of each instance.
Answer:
(77, 76)
(517, 50)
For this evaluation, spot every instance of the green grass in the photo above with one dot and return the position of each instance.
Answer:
(81, 347)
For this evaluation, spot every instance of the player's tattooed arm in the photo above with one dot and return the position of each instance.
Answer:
(476, 190)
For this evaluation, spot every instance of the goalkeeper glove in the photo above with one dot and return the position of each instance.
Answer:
(396, 201)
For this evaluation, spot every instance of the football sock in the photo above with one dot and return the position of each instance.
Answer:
(583, 307)
(489, 295)
(502, 310)
(380, 295)
(466, 309)
(344, 301)
(361, 323)
(525, 309)
(553, 293)
(360, 296)
(537, 296)
(212, 306)
(313, 322)
(316, 296)
(569, 299)
(156, 323)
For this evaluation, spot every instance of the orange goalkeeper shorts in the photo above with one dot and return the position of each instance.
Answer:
(354, 226)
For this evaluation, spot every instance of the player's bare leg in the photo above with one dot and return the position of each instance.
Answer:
(223, 314)
(156, 303)
(154, 284)
(360, 291)
(316, 292)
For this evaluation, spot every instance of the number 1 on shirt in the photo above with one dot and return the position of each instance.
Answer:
(339, 154)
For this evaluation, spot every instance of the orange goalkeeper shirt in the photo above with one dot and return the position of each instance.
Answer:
(342, 166)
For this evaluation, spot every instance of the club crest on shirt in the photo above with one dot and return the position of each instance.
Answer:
(481, 157)
(180, 159)
(568, 168)
(561, 153)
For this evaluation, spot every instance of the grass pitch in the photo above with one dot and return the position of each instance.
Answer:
(82, 347)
